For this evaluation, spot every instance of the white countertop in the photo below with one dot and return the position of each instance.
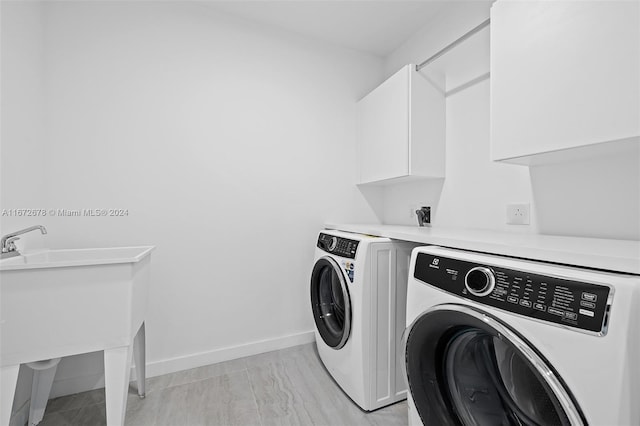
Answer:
(612, 255)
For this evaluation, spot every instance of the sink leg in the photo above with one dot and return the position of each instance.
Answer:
(41, 389)
(117, 368)
(139, 359)
(8, 381)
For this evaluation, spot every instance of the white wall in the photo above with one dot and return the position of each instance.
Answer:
(229, 143)
(22, 173)
(596, 198)
(475, 190)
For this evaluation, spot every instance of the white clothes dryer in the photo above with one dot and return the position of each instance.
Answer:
(500, 341)
(358, 300)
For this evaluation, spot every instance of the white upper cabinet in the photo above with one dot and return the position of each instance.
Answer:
(401, 130)
(564, 75)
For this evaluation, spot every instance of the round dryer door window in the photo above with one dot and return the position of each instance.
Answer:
(330, 302)
(465, 367)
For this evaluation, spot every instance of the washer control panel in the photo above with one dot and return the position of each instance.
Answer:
(337, 245)
(553, 299)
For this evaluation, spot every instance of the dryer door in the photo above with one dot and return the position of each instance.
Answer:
(465, 367)
(330, 302)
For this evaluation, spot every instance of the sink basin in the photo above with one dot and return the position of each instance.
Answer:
(56, 303)
(74, 257)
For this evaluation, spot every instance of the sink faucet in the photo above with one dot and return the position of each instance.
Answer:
(8, 245)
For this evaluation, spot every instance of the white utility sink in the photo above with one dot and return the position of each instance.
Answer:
(56, 303)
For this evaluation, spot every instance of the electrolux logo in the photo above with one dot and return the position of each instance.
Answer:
(434, 263)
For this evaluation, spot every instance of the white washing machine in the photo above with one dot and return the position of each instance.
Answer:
(358, 299)
(498, 341)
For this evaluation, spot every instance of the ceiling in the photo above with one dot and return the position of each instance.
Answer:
(377, 27)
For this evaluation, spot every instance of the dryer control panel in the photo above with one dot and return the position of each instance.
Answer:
(571, 303)
(337, 245)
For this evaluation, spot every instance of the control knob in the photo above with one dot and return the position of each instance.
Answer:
(480, 281)
(331, 244)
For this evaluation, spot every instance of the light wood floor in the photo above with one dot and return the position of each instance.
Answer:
(286, 387)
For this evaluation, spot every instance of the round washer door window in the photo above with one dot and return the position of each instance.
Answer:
(465, 367)
(330, 302)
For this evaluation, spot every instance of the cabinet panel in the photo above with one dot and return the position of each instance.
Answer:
(427, 129)
(564, 74)
(384, 130)
(401, 130)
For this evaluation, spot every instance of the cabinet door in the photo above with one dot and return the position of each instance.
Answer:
(383, 147)
(564, 74)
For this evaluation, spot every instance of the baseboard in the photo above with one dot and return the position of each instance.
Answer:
(170, 365)
(21, 416)
(77, 384)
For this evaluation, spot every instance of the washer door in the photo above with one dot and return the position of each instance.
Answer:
(465, 367)
(330, 302)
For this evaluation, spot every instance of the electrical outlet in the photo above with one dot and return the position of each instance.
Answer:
(518, 214)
